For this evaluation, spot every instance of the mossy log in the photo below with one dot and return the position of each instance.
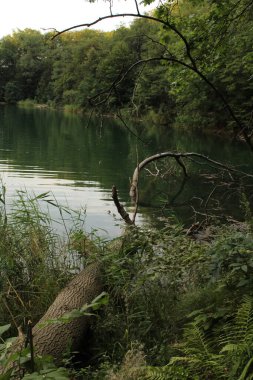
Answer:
(55, 339)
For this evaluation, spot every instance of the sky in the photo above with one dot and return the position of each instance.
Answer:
(58, 14)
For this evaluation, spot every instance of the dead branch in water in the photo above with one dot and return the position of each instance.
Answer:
(120, 207)
(178, 157)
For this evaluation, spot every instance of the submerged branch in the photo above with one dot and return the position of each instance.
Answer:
(177, 156)
(120, 207)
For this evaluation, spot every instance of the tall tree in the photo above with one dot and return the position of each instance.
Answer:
(184, 42)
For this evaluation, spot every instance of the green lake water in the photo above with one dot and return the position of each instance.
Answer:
(78, 160)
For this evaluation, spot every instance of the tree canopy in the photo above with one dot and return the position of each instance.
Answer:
(190, 62)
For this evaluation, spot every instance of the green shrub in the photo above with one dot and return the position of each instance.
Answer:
(164, 288)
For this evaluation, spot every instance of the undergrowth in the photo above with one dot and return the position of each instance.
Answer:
(35, 262)
(178, 308)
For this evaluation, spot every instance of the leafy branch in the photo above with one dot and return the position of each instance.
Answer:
(241, 128)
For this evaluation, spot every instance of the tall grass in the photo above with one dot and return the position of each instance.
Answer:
(35, 260)
(167, 292)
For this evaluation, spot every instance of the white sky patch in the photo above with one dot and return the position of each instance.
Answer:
(59, 14)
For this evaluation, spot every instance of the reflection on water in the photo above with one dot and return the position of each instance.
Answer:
(43, 150)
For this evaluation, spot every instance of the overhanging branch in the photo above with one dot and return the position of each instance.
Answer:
(177, 156)
(240, 127)
(137, 15)
(192, 65)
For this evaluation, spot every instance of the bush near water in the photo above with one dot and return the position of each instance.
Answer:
(178, 308)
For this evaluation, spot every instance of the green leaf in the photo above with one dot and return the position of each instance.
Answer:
(244, 268)
(101, 300)
(54, 374)
(245, 370)
(229, 348)
(4, 328)
(41, 196)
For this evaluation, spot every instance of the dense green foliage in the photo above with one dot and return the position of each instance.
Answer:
(76, 66)
(219, 36)
(178, 308)
(205, 42)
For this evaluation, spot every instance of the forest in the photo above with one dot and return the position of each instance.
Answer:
(78, 68)
(169, 302)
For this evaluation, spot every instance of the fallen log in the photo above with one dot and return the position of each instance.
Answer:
(56, 338)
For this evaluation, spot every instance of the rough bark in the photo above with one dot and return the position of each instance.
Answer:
(54, 339)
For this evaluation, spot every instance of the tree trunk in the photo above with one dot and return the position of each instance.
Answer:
(55, 339)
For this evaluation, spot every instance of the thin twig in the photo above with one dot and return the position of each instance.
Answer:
(137, 7)
(137, 194)
(10, 312)
(120, 117)
(30, 341)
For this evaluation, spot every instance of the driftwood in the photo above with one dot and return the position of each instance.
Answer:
(55, 339)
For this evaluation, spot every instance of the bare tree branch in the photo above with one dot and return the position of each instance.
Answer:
(137, 15)
(120, 207)
(137, 7)
(240, 127)
(177, 156)
(180, 163)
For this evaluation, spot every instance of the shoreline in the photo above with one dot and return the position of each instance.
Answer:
(72, 109)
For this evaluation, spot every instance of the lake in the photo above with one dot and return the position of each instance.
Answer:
(78, 159)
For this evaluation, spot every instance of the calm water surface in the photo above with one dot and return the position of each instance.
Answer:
(79, 161)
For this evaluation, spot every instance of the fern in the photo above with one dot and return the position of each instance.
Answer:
(156, 373)
(245, 374)
(197, 342)
(168, 372)
(198, 355)
(235, 358)
(243, 330)
(237, 350)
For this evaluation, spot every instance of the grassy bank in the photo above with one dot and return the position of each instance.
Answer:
(178, 308)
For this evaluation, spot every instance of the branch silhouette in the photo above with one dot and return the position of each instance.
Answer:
(191, 65)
